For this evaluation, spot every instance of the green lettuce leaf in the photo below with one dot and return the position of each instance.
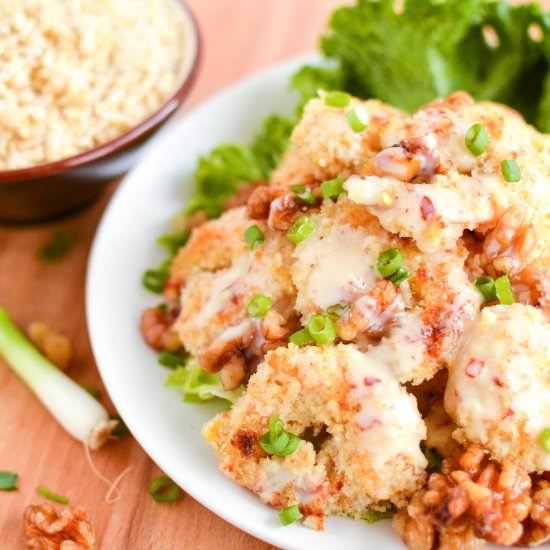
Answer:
(434, 47)
(197, 385)
(220, 174)
(271, 142)
(309, 80)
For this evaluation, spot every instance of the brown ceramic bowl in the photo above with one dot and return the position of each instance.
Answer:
(48, 190)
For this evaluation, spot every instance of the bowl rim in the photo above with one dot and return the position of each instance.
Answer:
(135, 133)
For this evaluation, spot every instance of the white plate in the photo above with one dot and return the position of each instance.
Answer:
(168, 429)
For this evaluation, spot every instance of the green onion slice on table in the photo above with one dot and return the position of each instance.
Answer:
(50, 495)
(163, 489)
(8, 481)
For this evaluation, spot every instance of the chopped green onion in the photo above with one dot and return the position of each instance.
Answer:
(301, 338)
(92, 390)
(338, 310)
(58, 245)
(332, 189)
(486, 286)
(304, 194)
(358, 119)
(285, 444)
(121, 429)
(389, 262)
(46, 493)
(79, 413)
(545, 439)
(277, 441)
(163, 308)
(259, 306)
(337, 99)
(322, 329)
(301, 229)
(372, 516)
(163, 489)
(477, 139)
(290, 515)
(510, 170)
(503, 290)
(254, 236)
(276, 427)
(155, 280)
(173, 243)
(8, 481)
(399, 276)
(172, 359)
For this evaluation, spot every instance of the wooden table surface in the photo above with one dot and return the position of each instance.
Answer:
(239, 37)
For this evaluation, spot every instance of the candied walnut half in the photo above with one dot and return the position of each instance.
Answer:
(537, 526)
(259, 200)
(243, 194)
(157, 329)
(49, 529)
(54, 345)
(508, 245)
(472, 499)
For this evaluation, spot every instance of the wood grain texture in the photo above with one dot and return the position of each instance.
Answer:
(239, 37)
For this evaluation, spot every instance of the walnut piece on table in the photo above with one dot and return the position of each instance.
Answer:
(54, 345)
(47, 528)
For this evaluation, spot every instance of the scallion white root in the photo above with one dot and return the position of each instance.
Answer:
(72, 406)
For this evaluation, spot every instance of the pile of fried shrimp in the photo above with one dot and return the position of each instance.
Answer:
(385, 302)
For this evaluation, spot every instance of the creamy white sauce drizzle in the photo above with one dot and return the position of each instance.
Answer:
(402, 351)
(339, 261)
(378, 322)
(389, 423)
(277, 474)
(434, 214)
(235, 332)
(221, 290)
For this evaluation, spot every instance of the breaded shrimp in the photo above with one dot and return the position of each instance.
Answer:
(213, 323)
(336, 266)
(214, 245)
(427, 185)
(324, 146)
(371, 454)
(498, 391)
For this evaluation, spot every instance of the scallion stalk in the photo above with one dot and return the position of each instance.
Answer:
(71, 405)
